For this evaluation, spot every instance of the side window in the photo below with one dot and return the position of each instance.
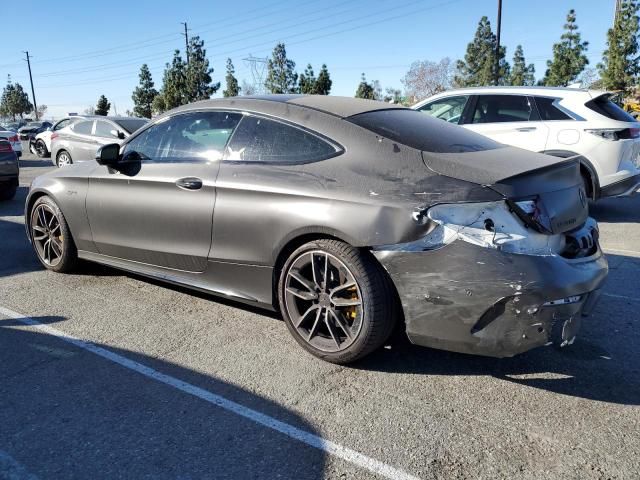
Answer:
(103, 129)
(549, 111)
(83, 128)
(186, 137)
(261, 140)
(62, 124)
(448, 109)
(503, 108)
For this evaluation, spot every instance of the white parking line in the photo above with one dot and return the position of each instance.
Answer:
(617, 250)
(623, 297)
(303, 436)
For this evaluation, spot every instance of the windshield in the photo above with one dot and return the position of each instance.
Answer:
(414, 129)
(132, 124)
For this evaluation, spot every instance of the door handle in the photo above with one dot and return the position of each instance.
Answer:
(189, 183)
(525, 129)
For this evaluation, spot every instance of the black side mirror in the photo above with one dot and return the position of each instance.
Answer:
(108, 154)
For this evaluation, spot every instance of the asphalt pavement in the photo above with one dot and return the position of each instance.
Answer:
(108, 375)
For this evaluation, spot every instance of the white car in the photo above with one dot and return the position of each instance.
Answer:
(12, 138)
(41, 144)
(564, 122)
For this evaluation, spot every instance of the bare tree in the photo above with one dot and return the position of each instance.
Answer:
(90, 110)
(247, 88)
(426, 78)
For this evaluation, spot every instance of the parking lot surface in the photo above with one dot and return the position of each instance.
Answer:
(108, 375)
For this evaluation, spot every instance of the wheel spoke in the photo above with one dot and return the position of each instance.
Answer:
(55, 229)
(342, 326)
(40, 237)
(38, 228)
(325, 281)
(328, 324)
(57, 247)
(346, 302)
(315, 324)
(47, 250)
(295, 274)
(308, 296)
(314, 270)
(51, 220)
(307, 312)
(339, 288)
(41, 217)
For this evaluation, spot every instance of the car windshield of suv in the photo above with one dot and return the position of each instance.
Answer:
(414, 129)
(130, 125)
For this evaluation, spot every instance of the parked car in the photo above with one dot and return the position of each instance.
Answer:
(565, 122)
(14, 126)
(41, 143)
(79, 141)
(12, 137)
(346, 215)
(31, 129)
(9, 171)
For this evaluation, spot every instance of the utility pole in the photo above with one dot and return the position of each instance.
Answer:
(186, 40)
(497, 79)
(33, 93)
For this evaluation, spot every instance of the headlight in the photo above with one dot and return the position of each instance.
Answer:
(489, 225)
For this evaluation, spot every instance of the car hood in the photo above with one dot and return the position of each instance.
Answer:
(518, 174)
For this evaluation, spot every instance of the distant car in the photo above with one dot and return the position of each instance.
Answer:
(9, 171)
(79, 141)
(41, 144)
(12, 137)
(564, 122)
(14, 126)
(31, 129)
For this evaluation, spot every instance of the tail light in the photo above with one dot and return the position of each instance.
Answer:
(5, 147)
(615, 133)
(14, 138)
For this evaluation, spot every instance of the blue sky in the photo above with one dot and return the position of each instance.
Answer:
(83, 49)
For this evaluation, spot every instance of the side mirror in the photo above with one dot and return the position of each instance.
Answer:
(108, 154)
(117, 134)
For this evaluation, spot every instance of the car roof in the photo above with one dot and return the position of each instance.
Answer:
(533, 90)
(338, 106)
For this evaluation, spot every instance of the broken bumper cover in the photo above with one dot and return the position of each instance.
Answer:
(466, 298)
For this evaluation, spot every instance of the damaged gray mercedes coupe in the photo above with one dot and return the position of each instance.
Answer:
(348, 216)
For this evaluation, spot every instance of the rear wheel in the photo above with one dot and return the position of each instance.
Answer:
(63, 159)
(51, 236)
(41, 149)
(336, 300)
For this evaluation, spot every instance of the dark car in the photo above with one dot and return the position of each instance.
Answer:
(9, 171)
(78, 140)
(346, 215)
(31, 129)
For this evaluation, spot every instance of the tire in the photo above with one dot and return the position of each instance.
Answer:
(51, 237)
(41, 149)
(345, 318)
(8, 191)
(63, 159)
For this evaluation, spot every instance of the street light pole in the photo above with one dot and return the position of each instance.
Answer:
(33, 93)
(497, 67)
(186, 40)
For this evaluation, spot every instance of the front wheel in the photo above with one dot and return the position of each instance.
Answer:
(336, 300)
(51, 236)
(63, 159)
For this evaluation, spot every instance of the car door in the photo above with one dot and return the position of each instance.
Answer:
(158, 209)
(79, 141)
(509, 119)
(104, 133)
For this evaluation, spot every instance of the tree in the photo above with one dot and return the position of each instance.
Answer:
(198, 80)
(426, 78)
(589, 79)
(42, 109)
(173, 91)
(232, 90)
(144, 94)
(619, 67)
(569, 57)
(14, 100)
(393, 95)
(323, 82)
(103, 106)
(307, 81)
(248, 88)
(521, 73)
(281, 77)
(479, 65)
(90, 110)
(365, 89)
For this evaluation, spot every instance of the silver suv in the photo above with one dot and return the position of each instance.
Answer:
(79, 141)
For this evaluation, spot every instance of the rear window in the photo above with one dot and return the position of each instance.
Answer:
(606, 107)
(416, 130)
(132, 124)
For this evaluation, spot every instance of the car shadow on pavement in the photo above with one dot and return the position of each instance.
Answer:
(15, 206)
(616, 210)
(41, 162)
(69, 413)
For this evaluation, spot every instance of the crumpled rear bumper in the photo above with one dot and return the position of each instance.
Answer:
(466, 298)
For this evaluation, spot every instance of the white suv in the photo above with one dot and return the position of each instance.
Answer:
(564, 122)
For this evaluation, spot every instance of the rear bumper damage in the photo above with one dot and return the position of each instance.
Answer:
(466, 298)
